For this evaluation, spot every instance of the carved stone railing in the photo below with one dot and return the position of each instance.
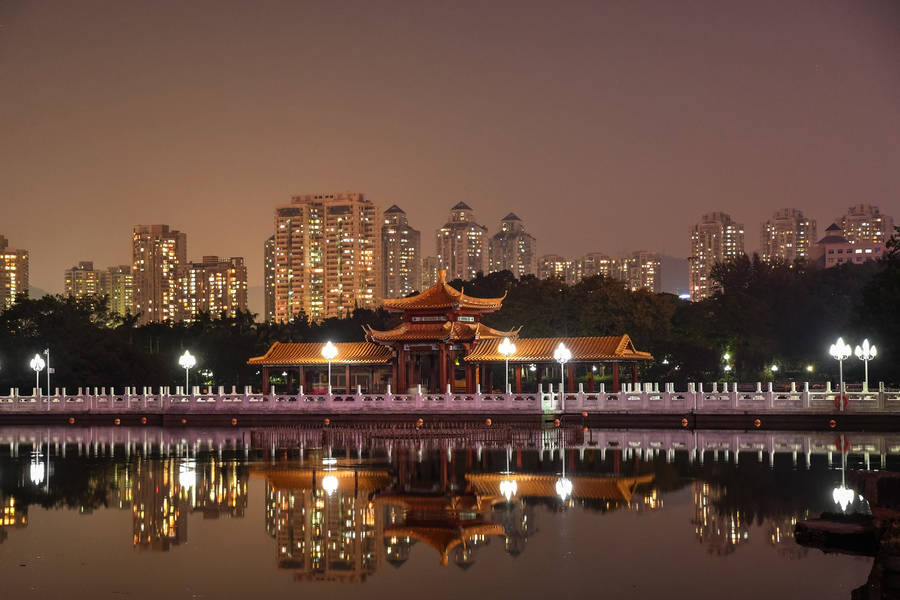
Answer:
(646, 398)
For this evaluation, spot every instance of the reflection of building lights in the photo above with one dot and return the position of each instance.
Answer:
(329, 484)
(843, 497)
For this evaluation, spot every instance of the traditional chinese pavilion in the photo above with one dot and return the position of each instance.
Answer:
(441, 343)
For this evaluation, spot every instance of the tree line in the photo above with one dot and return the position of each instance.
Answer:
(760, 315)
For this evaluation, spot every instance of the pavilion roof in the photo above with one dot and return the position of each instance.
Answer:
(541, 349)
(349, 353)
(440, 296)
(348, 479)
(445, 332)
(444, 536)
(530, 485)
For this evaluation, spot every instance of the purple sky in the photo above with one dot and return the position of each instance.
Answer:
(606, 126)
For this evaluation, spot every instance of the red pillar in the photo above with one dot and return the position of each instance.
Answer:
(615, 382)
(347, 389)
(634, 377)
(590, 380)
(442, 370)
(265, 381)
(518, 371)
(571, 377)
(538, 376)
(470, 379)
(303, 380)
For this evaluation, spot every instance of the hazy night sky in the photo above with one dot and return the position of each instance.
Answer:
(606, 126)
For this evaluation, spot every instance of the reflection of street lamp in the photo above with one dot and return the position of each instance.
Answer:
(329, 352)
(508, 487)
(840, 351)
(37, 365)
(187, 362)
(506, 348)
(329, 484)
(864, 353)
(329, 481)
(563, 485)
(562, 355)
(37, 472)
(843, 496)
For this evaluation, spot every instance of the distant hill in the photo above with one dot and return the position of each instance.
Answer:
(674, 274)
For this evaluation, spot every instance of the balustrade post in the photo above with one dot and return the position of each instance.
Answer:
(882, 400)
(770, 396)
(805, 400)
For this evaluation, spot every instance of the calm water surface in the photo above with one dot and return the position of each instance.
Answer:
(406, 513)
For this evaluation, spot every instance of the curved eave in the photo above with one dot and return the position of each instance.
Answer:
(287, 354)
(584, 349)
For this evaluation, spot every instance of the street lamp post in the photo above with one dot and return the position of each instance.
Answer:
(187, 362)
(866, 353)
(506, 348)
(329, 352)
(47, 354)
(37, 364)
(840, 351)
(562, 355)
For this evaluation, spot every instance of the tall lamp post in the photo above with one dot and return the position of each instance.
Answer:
(562, 355)
(840, 351)
(49, 370)
(329, 352)
(506, 348)
(187, 362)
(866, 353)
(37, 365)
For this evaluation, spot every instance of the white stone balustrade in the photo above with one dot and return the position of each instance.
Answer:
(647, 398)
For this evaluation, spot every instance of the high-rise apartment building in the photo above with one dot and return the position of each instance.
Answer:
(513, 249)
(787, 236)
(215, 286)
(401, 255)
(13, 273)
(462, 244)
(596, 263)
(117, 284)
(429, 271)
(157, 254)
(326, 256)
(269, 280)
(865, 223)
(82, 280)
(640, 271)
(715, 239)
(553, 265)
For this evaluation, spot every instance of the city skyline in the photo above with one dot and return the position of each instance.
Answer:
(672, 129)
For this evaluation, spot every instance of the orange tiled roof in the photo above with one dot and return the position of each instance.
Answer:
(541, 349)
(446, 331)
(544, 486)
(352, 353)
(442, 295)
(348, 479)
(445, 537)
